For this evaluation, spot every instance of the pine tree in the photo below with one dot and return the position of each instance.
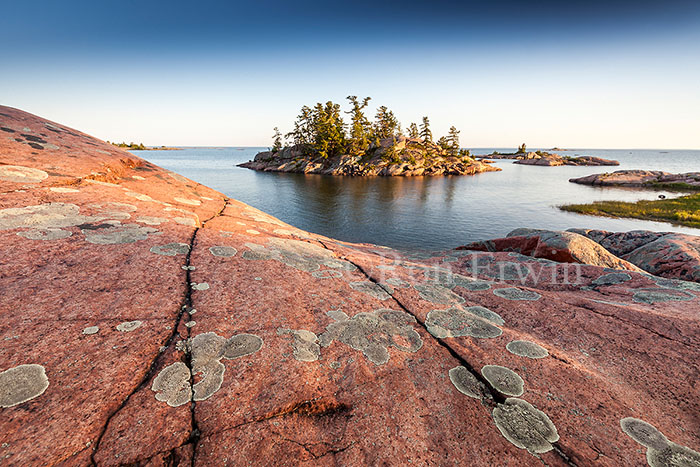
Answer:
(522, 149)
(277, 141)
(328, 130)
(360, 128)
(425, 132)
(386, 125)
(413, 131)
(453, 141)
(444, 143)
(303, 127)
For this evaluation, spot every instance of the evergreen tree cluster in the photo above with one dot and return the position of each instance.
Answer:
(323, 132)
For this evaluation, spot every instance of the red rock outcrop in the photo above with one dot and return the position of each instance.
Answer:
(149, 320)
(642, 178)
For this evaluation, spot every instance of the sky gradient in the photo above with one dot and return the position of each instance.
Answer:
(599, 74)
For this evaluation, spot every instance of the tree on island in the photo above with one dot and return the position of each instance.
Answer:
(425, 132)
(329, 130)
(277, 141)
(413, 131)
(453, 141)
(522, 149)
(386, 125)
(360, 127)
(303, 132)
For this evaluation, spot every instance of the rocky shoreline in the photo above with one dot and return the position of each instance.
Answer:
(643, 179)
(548, 159)
(149, 320)
(401, 156)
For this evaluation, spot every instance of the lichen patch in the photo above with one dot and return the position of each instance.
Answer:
(327, 274)
(438, 294)
(116, 234)
(129, 326)
(457, 322)
(651, 296)
(305, 346)
(487, 314)
(504, 380)
(525, 426)
(298, 254)
(373, 333)
(191, 202)
(91, 330)
(62, 189)
(172, 385)
(223, 251)
(660, 451)
(20, 174)
(21, 384)
(45, 234)
(151, 220)
(171, 249)
(188, 221)
(467, 383)
(523, 348)
(612, 278)
(199, 286)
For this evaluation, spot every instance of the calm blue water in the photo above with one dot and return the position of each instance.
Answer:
(426, 212)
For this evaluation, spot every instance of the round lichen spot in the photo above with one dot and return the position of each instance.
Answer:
(487, 314)
(305, 345)
(22, 383)
(191, 202)
(171, 249)
(241, 345)
(503, 379)
(514, 293)
(45, 234)
(673, 455)
(200, 286)
(20, 174)
(172, 385)
(129, 326)
(525, 426)
(456, 322)
(91, 330)
(223, 251)
(526, 349)
(612, 278)
(643, 433)
(438, 294)
(467, 384)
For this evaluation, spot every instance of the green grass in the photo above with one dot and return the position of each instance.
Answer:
(681, 211)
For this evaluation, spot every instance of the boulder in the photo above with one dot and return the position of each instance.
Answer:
(642, 178)
(149, 320)
(565, 247)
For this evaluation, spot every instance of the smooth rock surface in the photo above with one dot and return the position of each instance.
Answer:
(297, 367)
(642, 178)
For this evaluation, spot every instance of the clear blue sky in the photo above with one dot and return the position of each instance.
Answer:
(567, 73)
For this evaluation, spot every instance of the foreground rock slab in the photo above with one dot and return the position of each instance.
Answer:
(642, 178)
(149, 320)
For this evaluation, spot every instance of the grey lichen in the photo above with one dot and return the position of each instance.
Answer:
(438, 294)
(514, 293)
(115, 234)
(487, 314)
(396, 282)
(200, 286)
(45, 234)
(373, 333)
(457, 322)
(467, 383)
(450, 280)
(129, 326)
(171, 249)
(525, 426)
(223, 251)
(503, 380)
(612, 278)
(301, 255)
(91, 330)
(371, 289)
(305, 344)
(651, 296)
(151, 220)
(21, 384)
(172, 385)
(207, 351)
(20, 174)
(660, 451)
(523, 348)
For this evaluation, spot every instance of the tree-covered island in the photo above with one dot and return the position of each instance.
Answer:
(322, 142)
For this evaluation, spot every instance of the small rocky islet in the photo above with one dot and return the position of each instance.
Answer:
(147, 319)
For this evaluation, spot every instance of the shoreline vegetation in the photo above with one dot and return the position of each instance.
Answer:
(684, 210)
(141, 147)
(545, 158)
(323, 143)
